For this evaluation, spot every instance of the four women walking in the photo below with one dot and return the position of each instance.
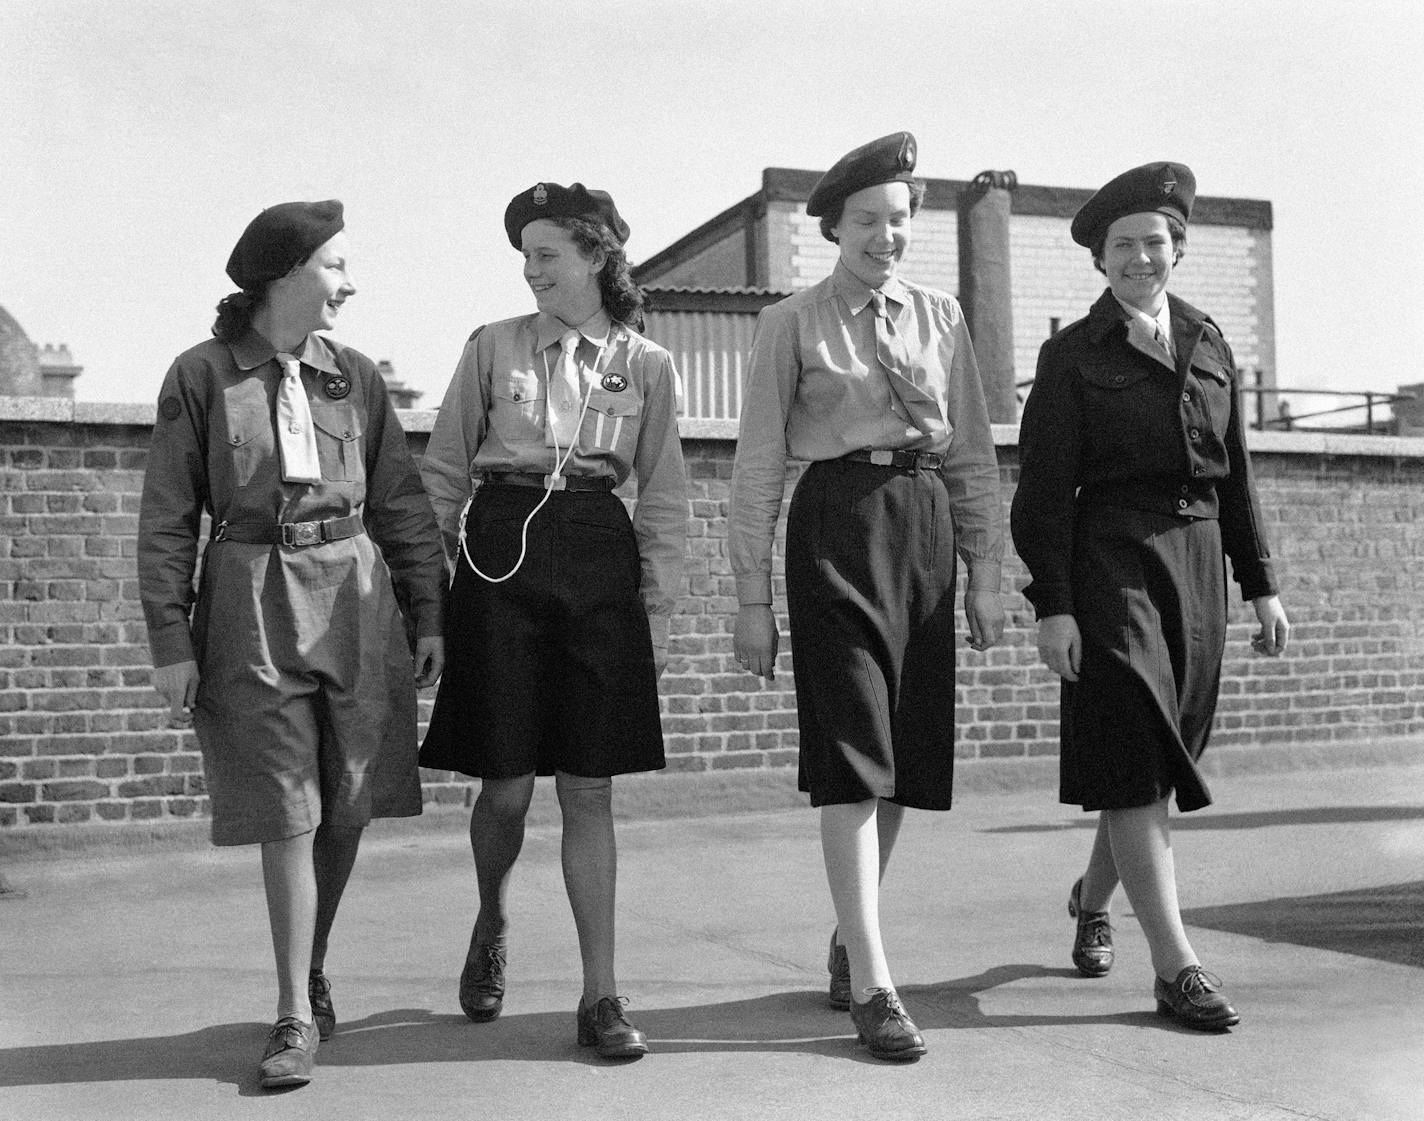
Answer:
(298, 666)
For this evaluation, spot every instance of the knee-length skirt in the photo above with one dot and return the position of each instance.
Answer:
(870, 571)
(551, 670)
(1150, 601)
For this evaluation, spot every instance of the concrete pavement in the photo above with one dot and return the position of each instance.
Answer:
(138, 984)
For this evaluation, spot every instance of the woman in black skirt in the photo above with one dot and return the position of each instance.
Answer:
(559, 610)
(873, 380)
(1134, 484)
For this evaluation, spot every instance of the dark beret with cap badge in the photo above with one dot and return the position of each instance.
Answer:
(1162, 187)
(550, 200)
(891, 159)
(281, 237)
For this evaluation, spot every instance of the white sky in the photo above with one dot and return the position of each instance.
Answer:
(138, 138)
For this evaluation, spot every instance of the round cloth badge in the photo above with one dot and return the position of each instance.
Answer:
(337, 387)
(170, 408)
(614, 383)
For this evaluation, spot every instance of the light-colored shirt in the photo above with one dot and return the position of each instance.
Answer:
(493, 419)
(1149, 332)
(816, 390)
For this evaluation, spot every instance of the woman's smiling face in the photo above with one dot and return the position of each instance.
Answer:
(1138, 256)
(874, 231)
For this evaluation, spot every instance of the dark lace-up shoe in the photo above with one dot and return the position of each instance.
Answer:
(482, 983)
(604, 1027)
(838, 965)
(323, 1012)
(1195, 999)
(1092, 943)
(882, 1024)
(290, 1054)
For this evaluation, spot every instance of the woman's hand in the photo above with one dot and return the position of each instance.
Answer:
(755, 639)
(429, 660)
(1060, 645)
(984, 612)
(1271, 639)
(178, 686)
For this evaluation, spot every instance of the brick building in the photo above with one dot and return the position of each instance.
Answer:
(706, 288)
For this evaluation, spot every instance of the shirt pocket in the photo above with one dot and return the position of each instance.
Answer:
(1214, 380)
(338, 442)
(611, 423)
(1125, 412)
(250, 440)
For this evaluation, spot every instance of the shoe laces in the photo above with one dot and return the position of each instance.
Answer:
(1095, 927)
(289, 1031)
(614, 1013)
(1198, 980)
(318, 985)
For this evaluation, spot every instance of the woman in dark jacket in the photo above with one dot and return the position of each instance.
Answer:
(1134, 484)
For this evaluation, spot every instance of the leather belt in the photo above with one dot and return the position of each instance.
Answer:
(907, 460)
(295, 534)
(564, 482)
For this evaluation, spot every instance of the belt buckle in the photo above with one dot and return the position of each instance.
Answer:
(931, 461)
(882, 457)
(556, 482)
(298, 534)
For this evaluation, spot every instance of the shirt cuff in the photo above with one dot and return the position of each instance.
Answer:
(171, 644)
(754, 588)
(986, 576)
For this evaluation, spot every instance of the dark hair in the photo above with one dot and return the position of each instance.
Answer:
(235, 312)
(1175, 226)
(622, 299)
(832, 219)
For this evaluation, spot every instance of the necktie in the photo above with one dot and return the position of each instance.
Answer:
(561, 413)
(296, 438)
(890, 350)
(1162, 340)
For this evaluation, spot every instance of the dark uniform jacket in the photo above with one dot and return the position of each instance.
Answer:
(1111, 425)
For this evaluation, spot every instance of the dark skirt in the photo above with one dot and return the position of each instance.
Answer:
(870, 569)
(1150, 600)
(553, 668)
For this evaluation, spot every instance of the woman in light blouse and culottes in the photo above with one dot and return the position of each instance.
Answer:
(873, 380)
(560, 606)
(1134, 485)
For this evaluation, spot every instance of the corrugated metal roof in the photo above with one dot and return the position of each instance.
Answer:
(709, 349)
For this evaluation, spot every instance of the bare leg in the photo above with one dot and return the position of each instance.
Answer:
(1100, 879)
(850, 845)
(290, 882)
(496, 836)
(590, 857)
(333, 855)
(1142, 851)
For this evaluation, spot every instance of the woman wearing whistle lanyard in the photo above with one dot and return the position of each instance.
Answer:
(873, 379)
(294, 665)
(560, 605)
(1134, 481)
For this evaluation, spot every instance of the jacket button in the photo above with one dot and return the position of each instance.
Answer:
(1196, 433)
(348, 434)
(1119, 379)
(237, 440)
(1181, 503)
(1187, 396)
(514, 396)
(1198, 469)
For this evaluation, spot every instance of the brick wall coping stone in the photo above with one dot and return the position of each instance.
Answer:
(64, 410)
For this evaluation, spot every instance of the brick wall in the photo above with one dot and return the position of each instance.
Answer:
(84, 739)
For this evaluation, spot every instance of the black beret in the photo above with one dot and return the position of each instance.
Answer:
(280, 237)
(1161, 188)
(549, 200)
(891, 159)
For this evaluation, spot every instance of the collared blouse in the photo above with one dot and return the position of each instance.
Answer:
(817, 390)
(492, 420)
(215, 448)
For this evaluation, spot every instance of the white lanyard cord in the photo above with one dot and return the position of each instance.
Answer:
(551, 483)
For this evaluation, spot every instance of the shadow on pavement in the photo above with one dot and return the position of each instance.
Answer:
(797, 1021)
(1384, 923)
(1259, 819)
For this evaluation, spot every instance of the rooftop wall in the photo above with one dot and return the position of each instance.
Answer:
(83, 738)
